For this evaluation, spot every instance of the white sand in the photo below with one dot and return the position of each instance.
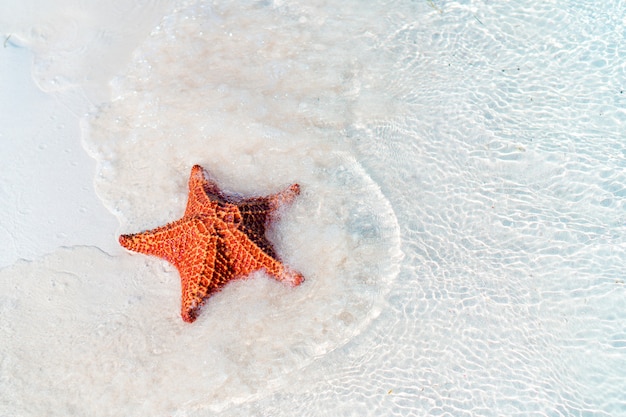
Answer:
(47, 190)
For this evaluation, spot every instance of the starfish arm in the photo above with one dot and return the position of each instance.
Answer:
(170, 242)
(202, 276)
(191, 245)
(257, 212)
(247, 257)
(254, 217)
(284, 197)
(203, 193)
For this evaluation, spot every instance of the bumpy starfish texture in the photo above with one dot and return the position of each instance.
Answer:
(219, 238)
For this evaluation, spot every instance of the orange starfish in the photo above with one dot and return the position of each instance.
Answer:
(219, 238)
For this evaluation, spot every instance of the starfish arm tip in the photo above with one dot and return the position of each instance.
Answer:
(125, 240)
(284, 197)
(189, 312)
(197, 169)
(293, 278)
(188, 317)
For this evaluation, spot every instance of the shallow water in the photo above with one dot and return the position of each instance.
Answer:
(461, 225)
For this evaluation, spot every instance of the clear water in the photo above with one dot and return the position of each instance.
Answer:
(461, 226)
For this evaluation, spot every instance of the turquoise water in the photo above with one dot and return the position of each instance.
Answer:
(477, 269)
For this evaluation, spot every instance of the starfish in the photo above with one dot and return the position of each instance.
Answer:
(218, 239)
